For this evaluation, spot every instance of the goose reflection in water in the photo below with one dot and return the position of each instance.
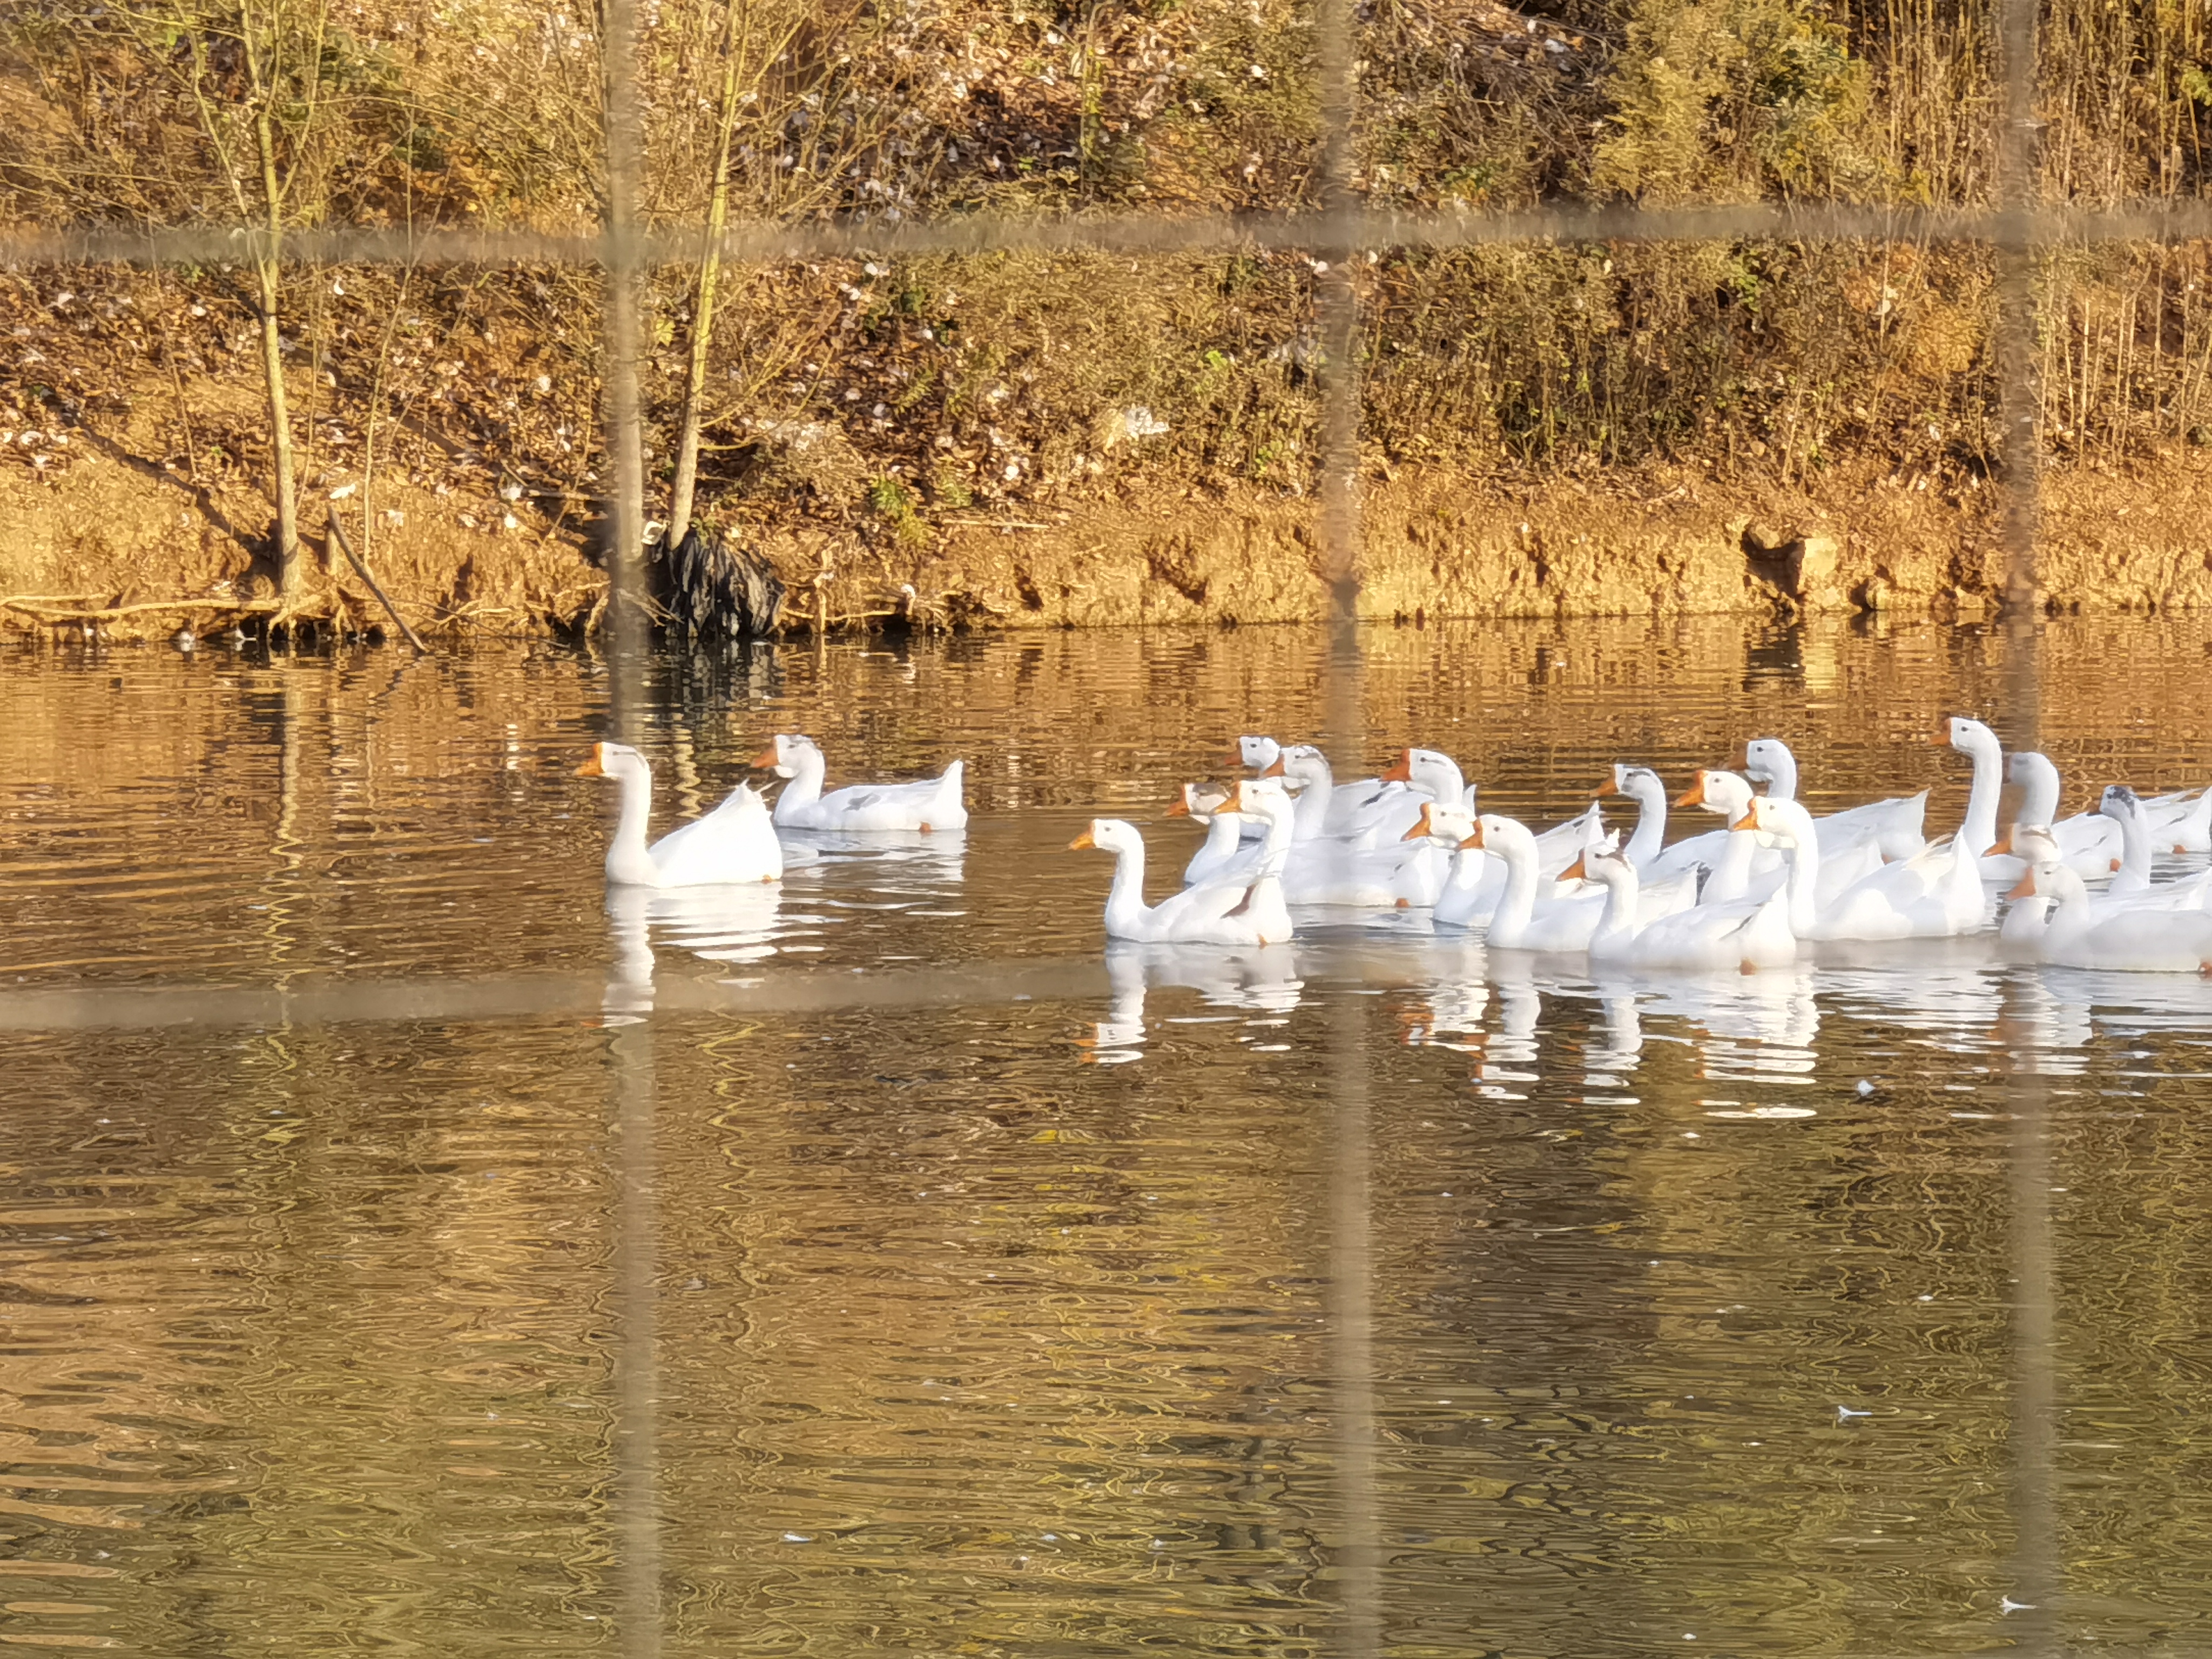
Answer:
(1263, 979)
(901, 863)
(737, 923)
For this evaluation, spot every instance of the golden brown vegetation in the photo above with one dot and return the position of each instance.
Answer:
(880, 402)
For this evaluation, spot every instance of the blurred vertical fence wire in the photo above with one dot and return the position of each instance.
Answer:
(1338, 236)
(634, 1506)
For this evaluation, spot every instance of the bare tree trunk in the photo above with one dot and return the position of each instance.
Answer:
(703, 308)
(272, 364)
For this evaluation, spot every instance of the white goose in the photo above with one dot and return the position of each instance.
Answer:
(734, 843)
(1348, 870)
(1201, 803)
(1641, 784)
(933, 804)
(1476, 879)
(2037, 845)
(1237, 910)
(1337, 808)
(2089, 842)
(2182, 820)
(1936, 893)
(2132, 940)
(1745, 933)
(1527, 918)
(1895, 825)
(1726, 859)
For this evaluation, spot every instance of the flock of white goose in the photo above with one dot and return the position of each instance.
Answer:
(2079, 892)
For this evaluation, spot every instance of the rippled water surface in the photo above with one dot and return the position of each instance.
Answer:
(986, 1277)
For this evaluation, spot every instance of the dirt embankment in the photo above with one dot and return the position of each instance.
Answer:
(116, 531)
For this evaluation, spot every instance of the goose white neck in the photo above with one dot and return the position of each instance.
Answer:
(1222, 834)
(1616, 924)
(2133, 873)
(2038, 787)
(1518, 904)
(1318, 786)
(1439, 775)
(628, 860)
(804, 788)
(1780, 767)
(1125, 899)
(1650, 797)
(1275, 850)
(1804, 871)
(1978, 830)
(1796, 822)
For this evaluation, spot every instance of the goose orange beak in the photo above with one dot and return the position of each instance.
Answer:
(1081, 841)
(1575, 871)
(766, 758)
(1180, 808)
(1475, 840)
(1694, 795)
(2025, 888)
(1275, 768)
(1942, 738)
(1402, 770)
(1420, 826)
(1608, 787)
(1748, 821)
(591, 768)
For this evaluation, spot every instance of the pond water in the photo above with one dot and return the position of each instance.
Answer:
(404, 1250)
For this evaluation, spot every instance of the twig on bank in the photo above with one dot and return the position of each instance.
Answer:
(30, 606)
(345, 546)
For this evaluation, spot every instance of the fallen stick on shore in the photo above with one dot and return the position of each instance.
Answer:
(31, 607)
(345, 546)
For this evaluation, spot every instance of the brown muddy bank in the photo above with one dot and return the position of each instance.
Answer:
(120, 545)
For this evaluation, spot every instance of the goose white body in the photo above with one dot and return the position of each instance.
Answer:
(2132, 938)
(1937, 892)
(1743, 934)
(735, 842)
(933, 804)
(1527, 918)
(1239, 909)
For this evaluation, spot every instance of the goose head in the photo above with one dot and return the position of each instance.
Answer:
(1427, 768)
(1256, 753)
(1303, 765)
(1968, 737)
(2033, 843)
(1454, 826)
(1640, 783)
(2119, 803)
(1724, 793)
(2050, 878)
(1109, 835)
(1601, 864)
(1259, 798)
(1200, 801)
(783, 752)
(1784, 820)
(1507, 837)
(1765, 759)
(615, 760)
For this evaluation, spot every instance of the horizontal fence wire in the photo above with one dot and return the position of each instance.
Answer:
(1356, 229)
